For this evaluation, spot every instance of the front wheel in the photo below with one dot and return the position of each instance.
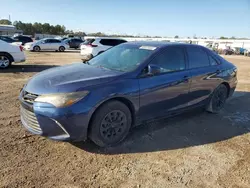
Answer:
(111, 124)
(36, 49)
(218, 99)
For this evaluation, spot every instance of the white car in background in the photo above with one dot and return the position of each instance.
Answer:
(46, 44)
(94, 46)
(10, 53)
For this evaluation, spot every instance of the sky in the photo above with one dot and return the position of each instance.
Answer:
(167, 18)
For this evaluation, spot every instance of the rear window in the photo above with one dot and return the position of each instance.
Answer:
(197, 57)
(88, 41)
(111, 42)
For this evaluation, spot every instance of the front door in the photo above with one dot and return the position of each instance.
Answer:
(168, 90)
(45, 45)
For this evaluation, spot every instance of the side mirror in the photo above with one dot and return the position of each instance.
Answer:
(153, 69)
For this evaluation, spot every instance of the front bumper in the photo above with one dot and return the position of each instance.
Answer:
(55, 123)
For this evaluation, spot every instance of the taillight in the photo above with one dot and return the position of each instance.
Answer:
(92, 45)
(21, 48)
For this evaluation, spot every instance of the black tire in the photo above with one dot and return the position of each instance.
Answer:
(5, 61)
(61, 49)
(36, 49)
(110, 124)
(218, 99)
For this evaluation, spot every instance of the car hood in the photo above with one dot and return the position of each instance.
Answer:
(69, 78)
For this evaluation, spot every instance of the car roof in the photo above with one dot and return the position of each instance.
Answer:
(158, 44)
(104, 38)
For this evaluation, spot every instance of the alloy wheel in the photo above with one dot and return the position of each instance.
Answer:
(4, 61)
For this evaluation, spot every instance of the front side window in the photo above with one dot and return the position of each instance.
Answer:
(170, 60)
(197, 57)
(123, 58)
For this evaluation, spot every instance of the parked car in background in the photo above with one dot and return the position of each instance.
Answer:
(7, 39)
(73, 42)
(47, 44)
(10, 53)
(247, 52)
(95, 46)
(23, 39)
(131, 83)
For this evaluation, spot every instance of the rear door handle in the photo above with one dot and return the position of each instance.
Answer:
(186, 78)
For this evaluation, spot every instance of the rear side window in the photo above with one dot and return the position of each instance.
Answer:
(111, 42)
(171, 59)
(212, 60)
(197, 57)
(26, 39)
(54, 41)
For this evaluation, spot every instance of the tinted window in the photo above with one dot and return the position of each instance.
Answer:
(170, 59)
(212, 60)
(111, 42)
(54, 41)
(197, 57)
(23, 38)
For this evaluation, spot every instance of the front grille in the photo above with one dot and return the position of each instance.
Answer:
(29, 120)
(29, 97)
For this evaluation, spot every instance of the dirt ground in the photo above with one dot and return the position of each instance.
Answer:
(195, 149)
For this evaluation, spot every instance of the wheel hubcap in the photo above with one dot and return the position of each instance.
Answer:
(4, 61)
(113, 125)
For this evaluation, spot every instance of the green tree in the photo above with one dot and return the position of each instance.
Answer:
(5, 22)
(222, 37)
(176, 37)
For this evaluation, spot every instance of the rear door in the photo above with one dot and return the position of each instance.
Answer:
(202, 69)
(168, 90)
(54, 44)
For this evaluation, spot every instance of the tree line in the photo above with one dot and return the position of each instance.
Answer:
(32, 28)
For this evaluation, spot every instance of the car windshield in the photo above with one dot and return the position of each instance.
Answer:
(123, 58)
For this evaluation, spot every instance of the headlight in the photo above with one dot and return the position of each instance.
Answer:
(60, 100)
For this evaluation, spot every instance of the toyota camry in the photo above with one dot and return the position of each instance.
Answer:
(102, 99)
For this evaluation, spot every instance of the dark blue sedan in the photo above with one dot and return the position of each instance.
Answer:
(129, 84)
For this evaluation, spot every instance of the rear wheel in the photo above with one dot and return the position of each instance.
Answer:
(61, 49)
(36, 48)
(218, 99)
(5, 61)
(110, 124)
